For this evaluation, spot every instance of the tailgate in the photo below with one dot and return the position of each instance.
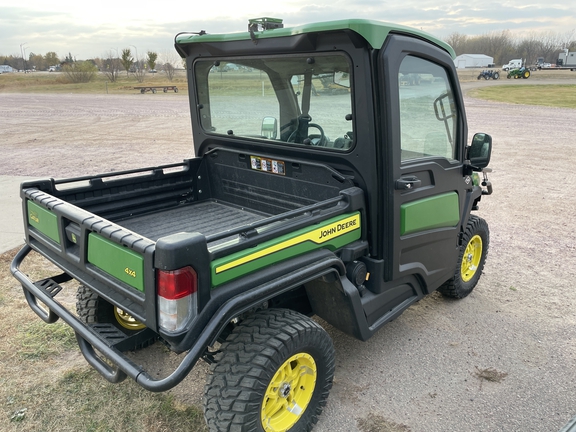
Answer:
(113, 261)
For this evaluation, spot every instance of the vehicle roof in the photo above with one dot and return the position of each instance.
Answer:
(374, 32)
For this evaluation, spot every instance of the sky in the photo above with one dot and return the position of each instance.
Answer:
(89, 29)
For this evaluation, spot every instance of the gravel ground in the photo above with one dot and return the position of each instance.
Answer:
(503, 359)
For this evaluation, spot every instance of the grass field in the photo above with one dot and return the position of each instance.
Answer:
(541, 94)
(56, 82)
(553, 95)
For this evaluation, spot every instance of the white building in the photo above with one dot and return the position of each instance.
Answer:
(6, 69)
(473, 61)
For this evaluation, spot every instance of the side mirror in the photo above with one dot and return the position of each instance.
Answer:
(480, 151)
(269, 127)
(342, 79)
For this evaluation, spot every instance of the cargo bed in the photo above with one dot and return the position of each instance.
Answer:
(202, 210)
(113, 231)
(223, 196)
(207, 218)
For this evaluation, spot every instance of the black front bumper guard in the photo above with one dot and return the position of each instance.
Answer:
(319, 263)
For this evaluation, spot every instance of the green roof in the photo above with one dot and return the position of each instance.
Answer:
(375, 32)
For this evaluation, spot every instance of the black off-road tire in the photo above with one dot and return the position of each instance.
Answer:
(93, 309)
(473, 253)
(243, 383)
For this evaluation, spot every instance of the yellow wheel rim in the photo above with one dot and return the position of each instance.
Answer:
(127, 321)
(289, 393)
(471, 258)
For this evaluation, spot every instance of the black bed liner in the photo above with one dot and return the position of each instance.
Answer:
(207, 218)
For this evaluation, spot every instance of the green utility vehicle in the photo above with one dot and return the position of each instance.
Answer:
(519, 73)
(324, 184)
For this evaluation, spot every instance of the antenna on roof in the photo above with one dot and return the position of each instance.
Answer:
(261, 24)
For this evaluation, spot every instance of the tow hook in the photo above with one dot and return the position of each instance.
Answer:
(485, 182)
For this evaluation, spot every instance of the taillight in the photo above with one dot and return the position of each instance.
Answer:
(177, 297)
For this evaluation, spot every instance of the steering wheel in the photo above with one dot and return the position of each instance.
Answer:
(316, 140)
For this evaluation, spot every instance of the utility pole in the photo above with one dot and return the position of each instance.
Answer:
(23, 54)
(137, 59)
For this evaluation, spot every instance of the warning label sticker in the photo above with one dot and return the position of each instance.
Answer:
(268, 165)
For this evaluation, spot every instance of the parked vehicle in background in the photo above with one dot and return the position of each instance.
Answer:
(489, 74)
(566, 60)
(513, 64)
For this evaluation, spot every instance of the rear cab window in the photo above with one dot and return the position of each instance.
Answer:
(298, 100)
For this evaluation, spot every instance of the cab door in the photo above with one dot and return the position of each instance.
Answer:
(424, 137)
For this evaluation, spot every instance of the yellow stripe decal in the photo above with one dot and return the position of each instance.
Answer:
(318, 236)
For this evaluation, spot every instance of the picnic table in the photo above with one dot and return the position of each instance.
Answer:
(153, 89)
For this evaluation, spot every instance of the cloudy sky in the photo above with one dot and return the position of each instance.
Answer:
(89, 29)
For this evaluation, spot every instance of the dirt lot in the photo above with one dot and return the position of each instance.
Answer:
(501, 360)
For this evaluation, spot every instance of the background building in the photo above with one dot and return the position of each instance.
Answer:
(473, 61)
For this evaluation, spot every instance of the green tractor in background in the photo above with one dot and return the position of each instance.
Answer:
(523, 72)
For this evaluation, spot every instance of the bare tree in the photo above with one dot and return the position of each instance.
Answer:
(139, 71)
(530, 48)
(171, 60)
(458, 42)
(551, 45)
(170, 71)
(569, 40)
(499, 45)
(111, 67)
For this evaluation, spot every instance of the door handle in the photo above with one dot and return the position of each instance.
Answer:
(408, 183)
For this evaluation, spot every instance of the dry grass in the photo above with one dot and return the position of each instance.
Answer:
(45, 383)
(490, 374)
(377, 423)
(55, 82)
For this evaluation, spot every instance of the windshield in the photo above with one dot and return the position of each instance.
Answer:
(290, 100)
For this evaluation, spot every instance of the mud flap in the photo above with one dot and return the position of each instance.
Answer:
(336, 300)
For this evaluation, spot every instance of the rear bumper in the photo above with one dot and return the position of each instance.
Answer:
(89, 340)
(304, 268)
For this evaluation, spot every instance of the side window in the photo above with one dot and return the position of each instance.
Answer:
(428, 115)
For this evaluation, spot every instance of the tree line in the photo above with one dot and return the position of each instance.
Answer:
(503, 47)
(33, 62)
(84, 70)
